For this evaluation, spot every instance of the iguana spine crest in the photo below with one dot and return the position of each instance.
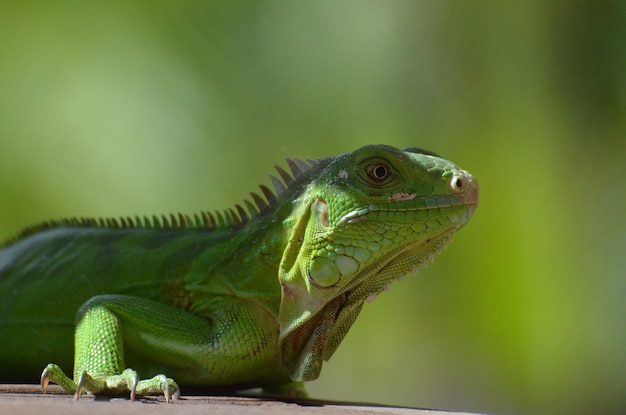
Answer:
(233, 217)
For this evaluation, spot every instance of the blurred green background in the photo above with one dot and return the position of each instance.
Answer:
(140, 107)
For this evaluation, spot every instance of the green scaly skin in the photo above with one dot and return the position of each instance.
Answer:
(248, 298)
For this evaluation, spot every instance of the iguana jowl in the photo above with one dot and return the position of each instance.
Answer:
(254, 297)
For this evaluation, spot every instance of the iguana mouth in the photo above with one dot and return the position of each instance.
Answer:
(410, 202)
(361, 214)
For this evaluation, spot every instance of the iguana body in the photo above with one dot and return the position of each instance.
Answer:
(255, 298)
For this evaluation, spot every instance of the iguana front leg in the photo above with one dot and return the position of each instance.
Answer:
(106, 323)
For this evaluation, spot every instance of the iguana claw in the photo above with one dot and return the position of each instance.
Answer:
(166, 392)
(44, 380)
(169, 397)
(79, 386)
(133, 389)
(176, 393)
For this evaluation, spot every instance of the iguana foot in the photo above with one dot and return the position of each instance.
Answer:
(127, 381)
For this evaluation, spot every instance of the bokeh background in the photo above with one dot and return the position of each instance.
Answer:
(141, 107)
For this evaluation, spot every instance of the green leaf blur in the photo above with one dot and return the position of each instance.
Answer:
(141, 107)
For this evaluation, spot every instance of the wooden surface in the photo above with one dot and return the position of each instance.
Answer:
(28, 399)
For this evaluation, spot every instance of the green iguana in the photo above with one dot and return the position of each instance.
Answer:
(254, 297)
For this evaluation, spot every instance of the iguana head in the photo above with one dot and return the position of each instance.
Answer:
(366, 219)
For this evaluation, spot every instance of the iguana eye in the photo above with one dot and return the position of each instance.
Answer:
(378, 171)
